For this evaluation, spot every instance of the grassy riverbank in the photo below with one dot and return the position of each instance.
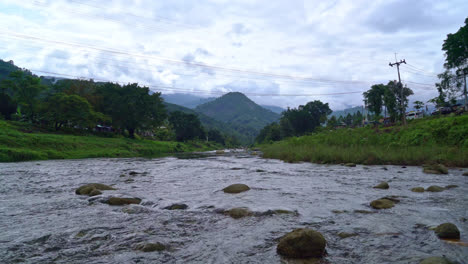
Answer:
(21, 142)
(429, 140)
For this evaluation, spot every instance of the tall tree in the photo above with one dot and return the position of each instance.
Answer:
(186, 126)
(374, 97)
(397, 97)
(456, 48)
(418, 105)
(305, 118)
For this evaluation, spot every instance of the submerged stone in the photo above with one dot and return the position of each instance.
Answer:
(451, 186)
(279, 211)
(302, 243)
(151, 247)
(236, 188)
(447, 230)
(176, 207)
(382, 185)
(363, 212)
(122, 201)
(88, 188)
(417, 189)
(465, 173)
(237, 213)
(435, 169)
(434, 188)
(350, 164)
(346, 235)
(435, 260)
(382, 204)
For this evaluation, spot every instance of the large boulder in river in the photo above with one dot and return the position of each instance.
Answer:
(236, 188)
(89, 188)
(447, 230)
(436, 260)
(122, 201)
(302, 243)
(435, 169)
(382, 204)
(382, 185)
(434, 188)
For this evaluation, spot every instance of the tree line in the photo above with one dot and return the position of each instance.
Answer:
(128, 109)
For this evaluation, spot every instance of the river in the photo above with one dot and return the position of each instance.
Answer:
(42, 220)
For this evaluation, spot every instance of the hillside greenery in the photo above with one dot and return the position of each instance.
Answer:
(429, 140)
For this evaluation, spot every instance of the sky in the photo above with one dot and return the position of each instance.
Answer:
(283, 53)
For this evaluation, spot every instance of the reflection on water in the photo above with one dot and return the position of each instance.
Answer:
(43, 221)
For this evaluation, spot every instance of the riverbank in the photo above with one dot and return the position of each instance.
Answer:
(429, 140)
(20, 142)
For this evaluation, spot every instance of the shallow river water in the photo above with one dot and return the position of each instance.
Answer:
(42, 220)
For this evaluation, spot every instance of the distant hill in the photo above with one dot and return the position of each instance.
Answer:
(241, 113)
(274, 108)
(186, 100)
(347, 111)
(7, 67)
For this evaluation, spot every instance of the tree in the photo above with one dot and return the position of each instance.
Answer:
(449, 88)
(7, 106)
(418, 105)
(69, 110)
(26, 89)
(456, 48)
(348, 119)
(186, 126)
(395, 98)
(304, 119)
(374, 98)
(271, 132)
(131, 107)
(332, 122)
(215, 136)
(357, 118)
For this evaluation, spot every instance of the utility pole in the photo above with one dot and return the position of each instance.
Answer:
(403, 112)
(462, 73)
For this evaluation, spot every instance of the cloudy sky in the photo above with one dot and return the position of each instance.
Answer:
(281, 53)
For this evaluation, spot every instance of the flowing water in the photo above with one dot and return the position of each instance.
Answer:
(42, 220)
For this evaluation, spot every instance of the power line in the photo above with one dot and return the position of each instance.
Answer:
(170, 88)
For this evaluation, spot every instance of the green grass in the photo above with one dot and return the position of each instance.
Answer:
(430, 140)
(22, 142)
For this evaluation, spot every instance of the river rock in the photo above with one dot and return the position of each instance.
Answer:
(346, 235)
(237, 213)
(88, 188)
(236, 188)
(382, 185)
(447, 230)
(417, 189)
(382, 204)
(220, 151)
(279, 211)
(465, 173)
(451, 186)
(435, 260)
(135, 209)
(350, 164)
(302, 243)
(95, 192)
(176, 207)
(150, 247)
(122, 201)
(435, 169)
(434, 188)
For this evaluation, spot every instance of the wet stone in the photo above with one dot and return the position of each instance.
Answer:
(447, 230)
(350, 164)
(88, 188)
(176, 207)
(436, 260)
(122, 201)
(302, 243)
(382, 185)
(382, 204)
(236, 188)
(451, 186)
(435, 169)
(346, 235)
(434, 188)
(237, 213)
(417, 189)
(151, 247)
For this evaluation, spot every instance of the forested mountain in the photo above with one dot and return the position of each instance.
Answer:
(235, 109)
(274, 108)
(186, 100)
(345, 112)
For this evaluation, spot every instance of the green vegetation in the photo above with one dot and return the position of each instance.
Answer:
(424, 141)
(21, 141)
(241, 113)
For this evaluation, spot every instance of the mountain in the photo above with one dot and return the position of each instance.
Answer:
(274, 108)
(241, 113)
(7, 67)
(186, 100)
(347, 111)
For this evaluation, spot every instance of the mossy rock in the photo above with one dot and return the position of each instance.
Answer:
(122, 201)
(176, 207)
(236, 188)
(382, 204)
(436, 260)
(237, 213)
(363, 212)
(434, 188)
(447, 230)
(346, 235)
(451, 186)
(417, 189)
(151, 247)
(280, 212)
(435, 169)
(220, 151)
(382, 185)
(465, 173)
(302, 243)
(95, 192)
(350, 164)
(88, 188)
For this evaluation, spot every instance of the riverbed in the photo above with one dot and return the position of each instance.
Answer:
(42, 220)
